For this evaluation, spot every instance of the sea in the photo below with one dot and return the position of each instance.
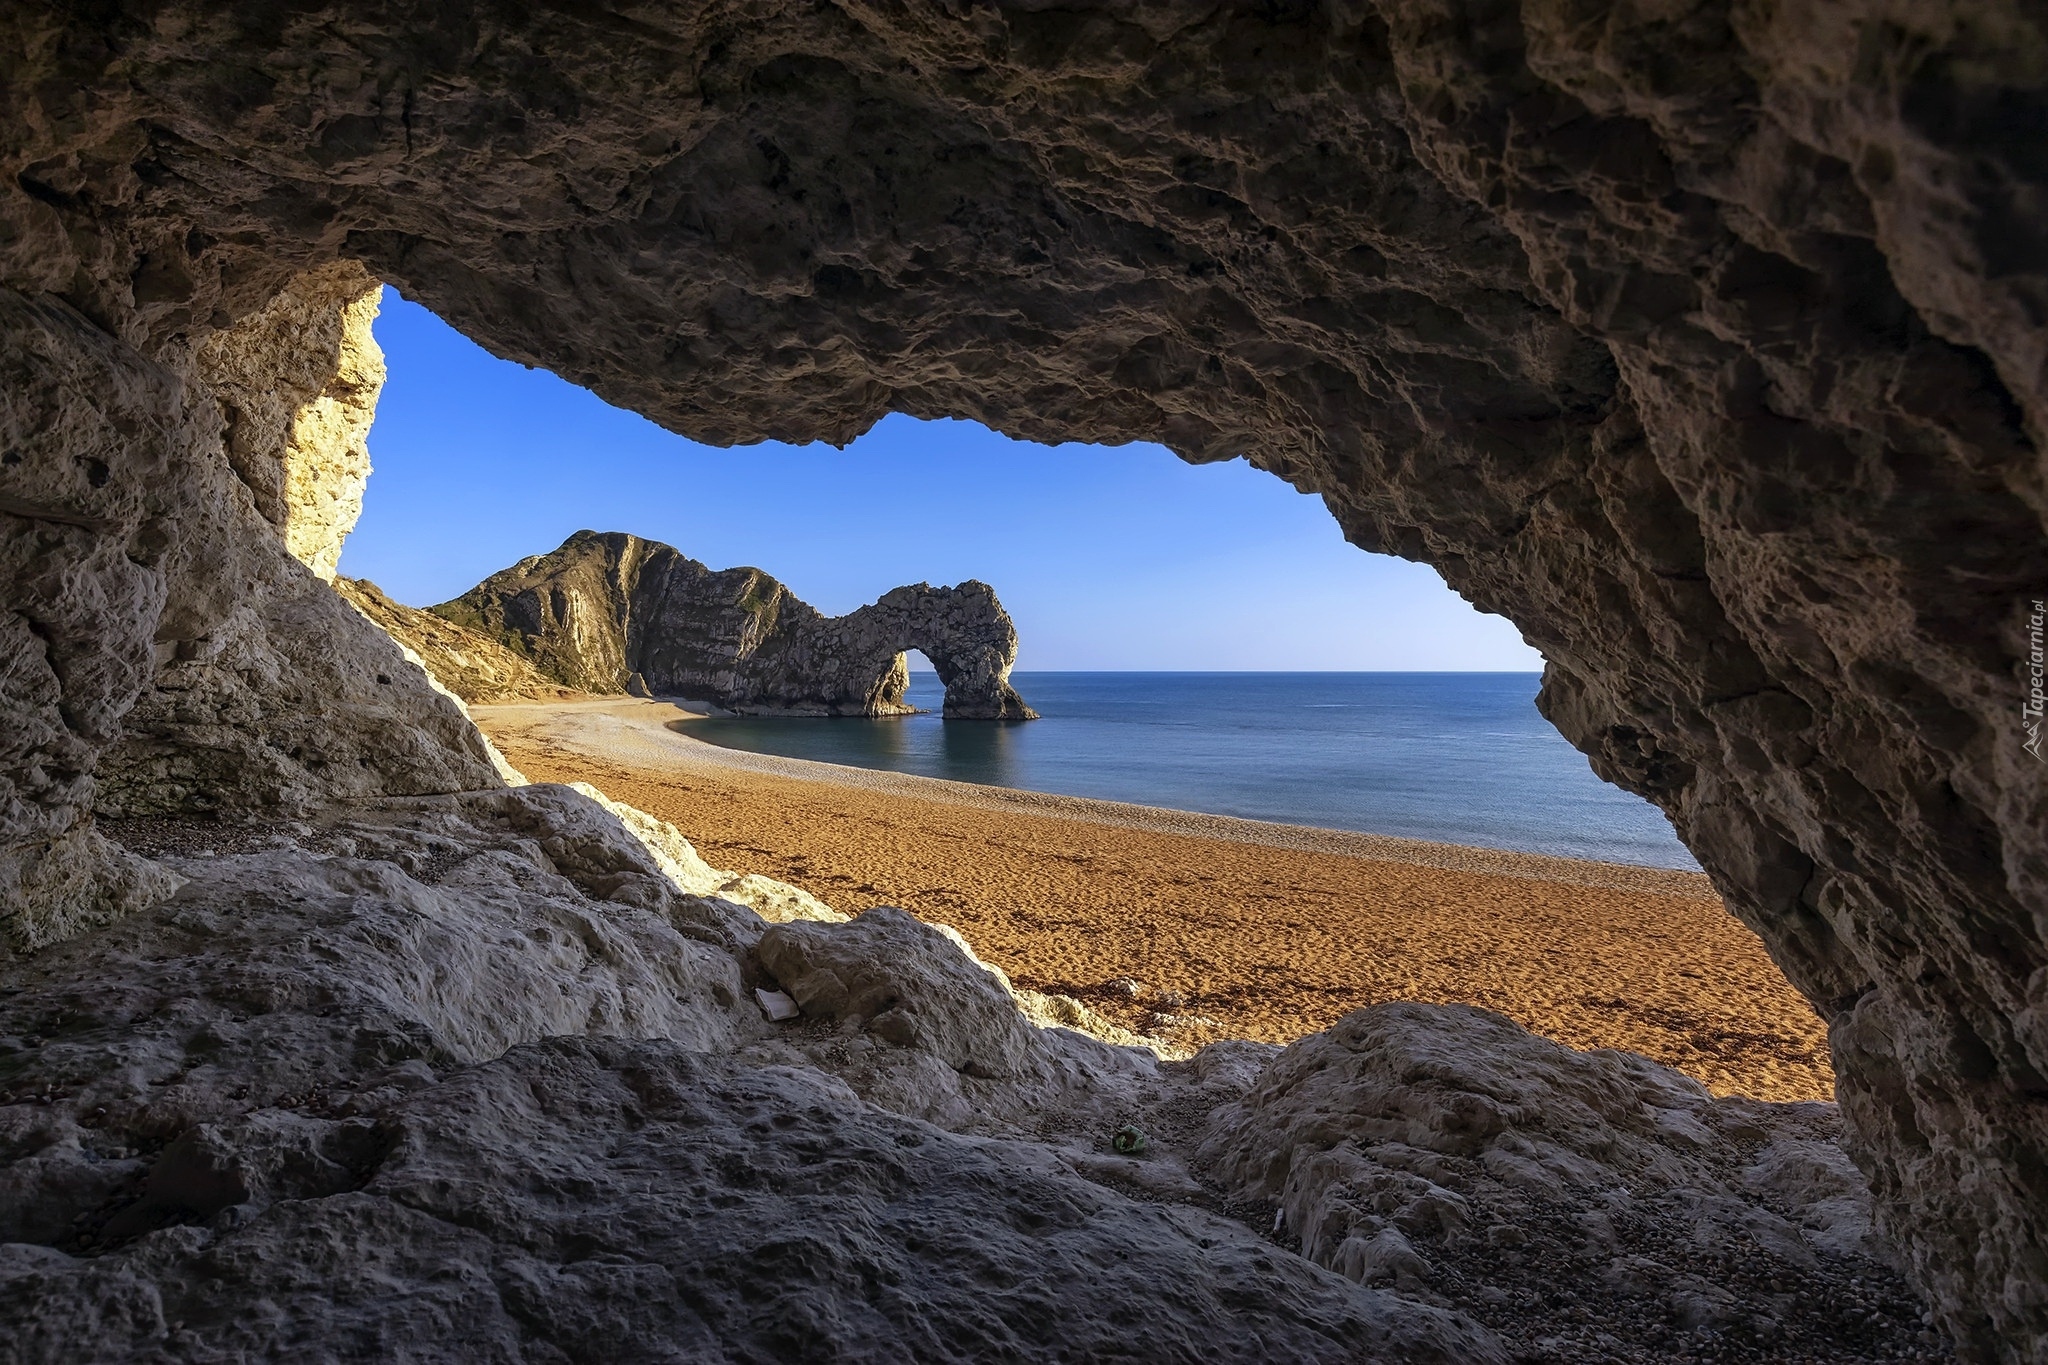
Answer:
(1457, 758)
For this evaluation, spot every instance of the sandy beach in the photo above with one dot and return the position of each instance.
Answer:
(1230, 928)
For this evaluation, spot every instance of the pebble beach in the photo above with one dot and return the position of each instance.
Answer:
(1195, 927)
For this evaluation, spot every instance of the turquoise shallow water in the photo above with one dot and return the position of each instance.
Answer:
(1459, 758)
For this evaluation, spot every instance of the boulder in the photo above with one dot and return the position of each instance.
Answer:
(1427, 1146)
(905, 982)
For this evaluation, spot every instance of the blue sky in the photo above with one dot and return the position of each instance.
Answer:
(1107, 557)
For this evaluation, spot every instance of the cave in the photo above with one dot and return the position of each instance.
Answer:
(1705, 343)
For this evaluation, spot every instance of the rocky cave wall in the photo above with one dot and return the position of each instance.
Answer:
(273, 696)
(171, 652)
(1705, 342)
(611, 612)
(297, 385)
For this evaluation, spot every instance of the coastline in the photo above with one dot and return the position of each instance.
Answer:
(1229, 927)
(623, 727)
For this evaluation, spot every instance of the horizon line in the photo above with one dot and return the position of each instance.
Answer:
(1278, 672)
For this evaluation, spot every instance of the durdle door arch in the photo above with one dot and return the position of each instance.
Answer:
(964, 632)
(1709, 344)
(610, 612)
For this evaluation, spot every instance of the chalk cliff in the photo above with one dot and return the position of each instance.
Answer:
(615, 613)
(1707, 342)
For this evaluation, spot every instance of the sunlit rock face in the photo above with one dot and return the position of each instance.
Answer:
(1707, 344)
(269, 694)
(297, 385)
(614, 613)
(472, 665)
(170, 654)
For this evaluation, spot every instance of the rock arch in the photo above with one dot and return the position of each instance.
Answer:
(1705, 344)
(611, 612)
(963, 630)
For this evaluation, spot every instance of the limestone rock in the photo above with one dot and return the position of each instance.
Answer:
(54, 890)
(912, 1020)
(775, 902)
(642, 1197)
(297, 386)
(96, 445)
(289, 703)
(463, 1074)
(269, 692)
(615, 613)
(172, 654)
(905, 982)
(1705, 343)
(1426, 1146)
(274, 1089)
(473, 666)
(607, 846)
(1064, 1011)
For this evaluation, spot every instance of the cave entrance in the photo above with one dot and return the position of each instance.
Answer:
(1202, 638)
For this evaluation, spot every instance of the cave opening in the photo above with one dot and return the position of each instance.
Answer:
(1444, 757)
(1114, 560)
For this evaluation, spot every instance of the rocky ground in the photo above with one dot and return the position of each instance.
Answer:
(483, 1077)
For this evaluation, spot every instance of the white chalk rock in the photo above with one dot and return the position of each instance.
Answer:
(776, 1005)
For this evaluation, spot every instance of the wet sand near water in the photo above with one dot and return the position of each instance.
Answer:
(1261, 931)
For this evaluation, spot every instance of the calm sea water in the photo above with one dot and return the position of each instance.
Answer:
(1460, 758)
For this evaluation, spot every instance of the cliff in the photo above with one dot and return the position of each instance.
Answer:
(615, 613)
(473, 666)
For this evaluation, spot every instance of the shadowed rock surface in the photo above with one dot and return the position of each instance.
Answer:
(614, 613)
(1445, 1148)
(1707, 343)
(481, 1077)
(165, 650)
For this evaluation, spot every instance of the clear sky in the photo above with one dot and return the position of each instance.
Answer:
(1107, 557)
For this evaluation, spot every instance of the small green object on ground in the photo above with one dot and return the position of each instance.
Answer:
(1127, 1140)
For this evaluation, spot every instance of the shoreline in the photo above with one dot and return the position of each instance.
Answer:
(1196, 928)
(624, 723)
